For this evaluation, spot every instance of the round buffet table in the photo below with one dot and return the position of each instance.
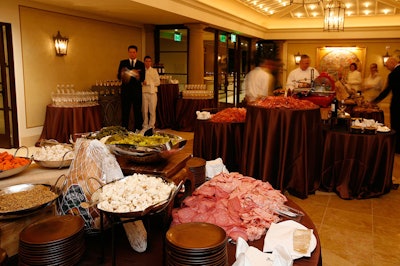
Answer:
(62, 122)
(283, 147)
(219, 140)
(357, 165)
(186, 112)
(154, 255)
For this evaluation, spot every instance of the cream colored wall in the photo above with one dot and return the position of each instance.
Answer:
(374, 51)
(94, 51)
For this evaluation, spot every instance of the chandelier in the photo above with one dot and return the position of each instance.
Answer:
(334, 16)
(304, 2)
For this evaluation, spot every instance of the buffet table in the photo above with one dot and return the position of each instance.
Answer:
(62, 122)
(167, 96)
(219, 140)
(154, 255)
(357, 165)
(10, 229)
(283, 147)
(186, 112)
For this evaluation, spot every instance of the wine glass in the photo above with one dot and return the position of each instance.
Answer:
(342, 109)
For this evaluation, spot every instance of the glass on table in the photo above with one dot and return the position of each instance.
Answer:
(301, 240)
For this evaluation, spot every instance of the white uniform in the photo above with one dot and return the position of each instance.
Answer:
(258, 83)
(372, 87)
(298, 75)
(149, 98)
(354, 80)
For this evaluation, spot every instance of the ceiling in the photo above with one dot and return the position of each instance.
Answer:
(312, 8)
(236, 15)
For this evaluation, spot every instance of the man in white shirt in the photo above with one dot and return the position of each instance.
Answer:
(259, 82)
(149, 94)
(302, 74)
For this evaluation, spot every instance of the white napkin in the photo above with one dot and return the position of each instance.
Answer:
(214, 167)
(282, 256)
(282, 234)
(250, 256)
(204, 115)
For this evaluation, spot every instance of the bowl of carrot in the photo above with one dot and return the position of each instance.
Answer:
(11, 164)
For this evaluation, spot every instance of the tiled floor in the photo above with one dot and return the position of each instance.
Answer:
(353, 232)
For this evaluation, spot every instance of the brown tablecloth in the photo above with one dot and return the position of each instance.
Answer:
(219, 140)
(186, 112)
(167, 96)
(62, 122)
(357, 165)
(154, 255)
(283, 147)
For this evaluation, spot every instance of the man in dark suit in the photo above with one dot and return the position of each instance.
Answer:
(393, 85)
(132, 73)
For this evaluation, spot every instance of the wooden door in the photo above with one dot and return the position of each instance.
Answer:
(8, 106)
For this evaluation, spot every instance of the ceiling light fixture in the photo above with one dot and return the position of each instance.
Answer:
(60, 44)
(304, 2)
(334, 16)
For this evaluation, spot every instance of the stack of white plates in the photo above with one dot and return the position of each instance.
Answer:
(196, 244)
(58, 240)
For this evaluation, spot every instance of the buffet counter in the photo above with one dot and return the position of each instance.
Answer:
(10, 229)
(282, 146)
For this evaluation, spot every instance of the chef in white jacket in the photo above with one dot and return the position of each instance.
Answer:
(302, 75)
(149, 94)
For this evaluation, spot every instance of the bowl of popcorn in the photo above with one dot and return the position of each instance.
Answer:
(54, 156)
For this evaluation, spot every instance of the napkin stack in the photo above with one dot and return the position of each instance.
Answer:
(203, 115)
(215, 167)
(250, 256)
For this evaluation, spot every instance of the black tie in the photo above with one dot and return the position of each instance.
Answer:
(132, 63)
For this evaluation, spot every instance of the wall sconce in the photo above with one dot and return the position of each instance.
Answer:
(60, 44)
(386, 56)
(297, 58)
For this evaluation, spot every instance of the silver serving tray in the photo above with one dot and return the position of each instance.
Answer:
(24, 187)
(149, 154)
(55, 164)
(152, 209)
(14, 171)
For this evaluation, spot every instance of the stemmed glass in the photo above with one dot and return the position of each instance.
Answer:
(342, 109)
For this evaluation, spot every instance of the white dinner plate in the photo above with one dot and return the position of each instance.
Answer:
(286, 239)
(383, 129)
